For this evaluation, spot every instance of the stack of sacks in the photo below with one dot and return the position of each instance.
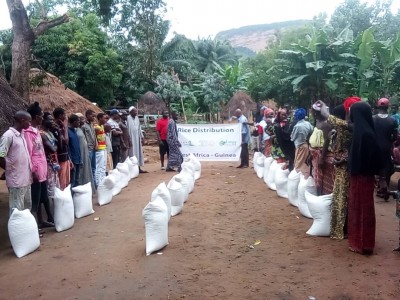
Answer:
(162, 191)
(23, 232)
(267, 164)
(105, 190)
(177, 193)
(197, 165)
(293, 186)
(135, 172)
(63, 209)
(320, 209)
(156, 219)
(281, 181)
(271, 175)
(184, 181)
(309, 186)
(188, 173)
(83, 200)
(260, 166)
(123, 168)
(255, 158)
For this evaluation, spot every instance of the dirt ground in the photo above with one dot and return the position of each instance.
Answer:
(208, 256)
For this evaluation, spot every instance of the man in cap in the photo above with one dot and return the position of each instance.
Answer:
(244, 154)
(386, 134)
(137, 138)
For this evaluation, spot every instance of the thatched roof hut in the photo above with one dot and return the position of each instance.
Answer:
(10, 102)
(242, 101)
(150, 104)
(51, 93)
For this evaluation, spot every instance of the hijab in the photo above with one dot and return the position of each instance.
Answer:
(339, 112)
(364, 156)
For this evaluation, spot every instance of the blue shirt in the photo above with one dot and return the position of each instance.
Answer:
(74, 149)
(245, 128)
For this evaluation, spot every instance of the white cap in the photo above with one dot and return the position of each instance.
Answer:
(132, 107)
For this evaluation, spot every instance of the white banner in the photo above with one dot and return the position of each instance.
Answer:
(211, 142)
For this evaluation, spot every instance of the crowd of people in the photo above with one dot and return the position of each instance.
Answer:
(44, 150)
(349, 151)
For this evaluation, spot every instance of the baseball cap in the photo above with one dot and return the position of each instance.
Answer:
(383, 102)
(114, 112)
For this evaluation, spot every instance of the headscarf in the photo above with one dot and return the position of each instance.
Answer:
(348, 102)
(267, 111)
(364, 156)
(300, 114)
(339, 112)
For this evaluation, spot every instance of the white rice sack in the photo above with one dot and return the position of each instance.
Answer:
(116, 177)
(267, 164)
(189, 176)
(135, 172)
(63, 209)
(123, 169)
(105, 190)
(197, 165)
(162, 191)
(130, 166)
(156, 218)
(189, 166)
(83, 200)
(177, 193)
(260, 166)
(184, 181)
(320, 209)
(270, 181)
(255, 157)
(281, 181)
(293, 186)
(309, 185)
(23, 232)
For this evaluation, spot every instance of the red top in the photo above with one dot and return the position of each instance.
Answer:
(162, 127)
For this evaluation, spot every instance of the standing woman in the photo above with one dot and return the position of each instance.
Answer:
(36, 151)
(364, 162)
(175, 158)
(50, 143)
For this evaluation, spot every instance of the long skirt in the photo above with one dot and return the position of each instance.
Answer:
(339, 202)
(267, 147)
(64, 174)
(361, 214)
(324, 175)
(175, 158)
(300, 159)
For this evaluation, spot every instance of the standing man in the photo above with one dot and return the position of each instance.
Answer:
(162, 129)
(90, 134)
(386, 134)
(175, 157)
(136, 134)
(101, 152)
(126, 142)
(244, 154)
(116, 136)
(14, 159)
(74, 150)
(60, 119)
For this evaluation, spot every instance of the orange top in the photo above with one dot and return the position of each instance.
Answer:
(101, 137)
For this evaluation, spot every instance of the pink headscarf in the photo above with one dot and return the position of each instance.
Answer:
(267, 111)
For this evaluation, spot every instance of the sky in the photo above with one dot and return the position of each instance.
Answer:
(205, 18)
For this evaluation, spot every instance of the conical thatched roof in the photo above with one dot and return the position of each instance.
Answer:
(150, 104)
(10, 102)
(51, 93)
(242, 101)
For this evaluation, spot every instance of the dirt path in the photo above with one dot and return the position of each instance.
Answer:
(208, 256)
